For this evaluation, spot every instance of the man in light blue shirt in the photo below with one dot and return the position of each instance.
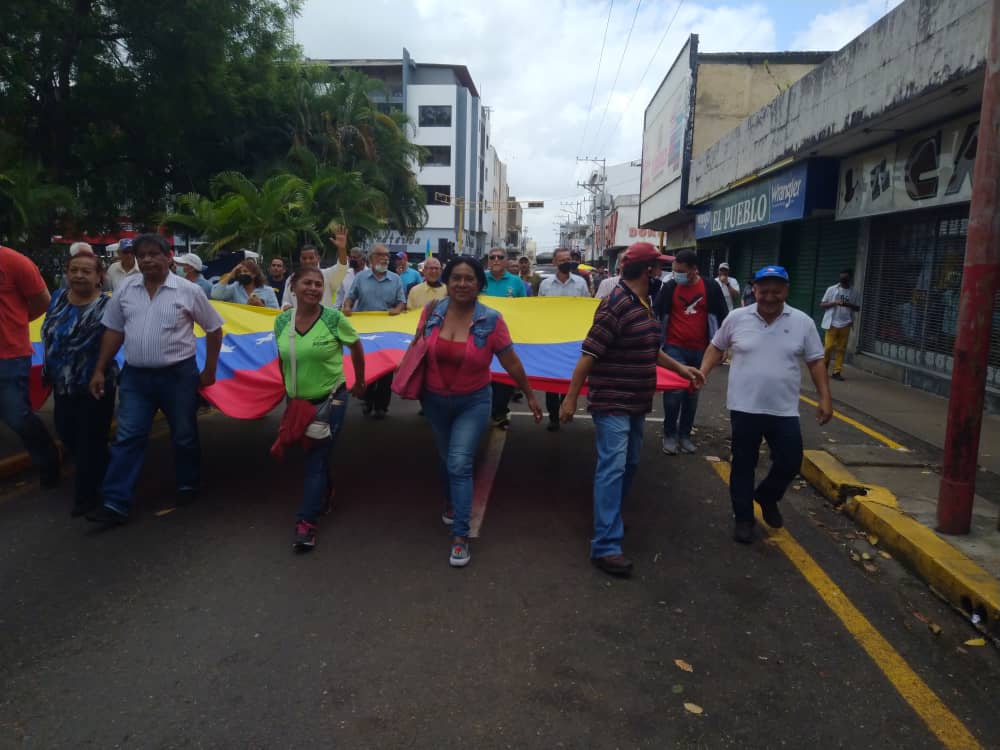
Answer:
(377, 289)
(407, 275)
(190, 266)
(499, 281)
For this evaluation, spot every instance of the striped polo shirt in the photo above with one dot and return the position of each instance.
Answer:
(159, 332)
(624, 339)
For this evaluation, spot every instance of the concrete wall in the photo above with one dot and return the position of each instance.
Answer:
(727, 93)
(921, 46)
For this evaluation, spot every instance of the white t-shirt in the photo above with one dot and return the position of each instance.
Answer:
(607, 286)
(117, 274)
(840, 317)
(575, 286)
(334, 277)
(733, 285)
(765, 376)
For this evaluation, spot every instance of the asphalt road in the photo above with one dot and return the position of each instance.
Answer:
(200, 628)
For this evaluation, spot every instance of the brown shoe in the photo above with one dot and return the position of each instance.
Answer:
(616, 565)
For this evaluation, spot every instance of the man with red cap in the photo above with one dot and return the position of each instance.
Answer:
(618, 363)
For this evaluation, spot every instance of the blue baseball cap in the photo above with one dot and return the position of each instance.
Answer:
(771, 272)
(125, 245)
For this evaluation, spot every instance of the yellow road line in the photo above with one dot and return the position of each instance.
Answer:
(859, 426)
(951, 732)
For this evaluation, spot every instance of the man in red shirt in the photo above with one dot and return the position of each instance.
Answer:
(691, 311)
(23, 297)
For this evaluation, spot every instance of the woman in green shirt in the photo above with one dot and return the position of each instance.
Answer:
(320, 335)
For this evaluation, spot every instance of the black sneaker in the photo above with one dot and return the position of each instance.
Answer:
(553, 426)
(743, 532)
(106, 517)
(305, 536)
(772, 516)
(838, 376)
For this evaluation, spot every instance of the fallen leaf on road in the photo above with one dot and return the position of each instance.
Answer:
(885, 554)
(871, 568)
(164, 512)
(872, 540)
(856, 557)
(693, 708)
(865, 556)
(681, 664)
(934, 628)
(922, 618)
(976, 642)
(961, 650)
(677, 689)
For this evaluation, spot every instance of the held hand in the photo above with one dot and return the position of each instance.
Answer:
(696, 376)
(254, 300)
(536, 410)
(207, 378)
(567, 409)
(395, 311)
(824, 411)
(97, 385)
(359, 388)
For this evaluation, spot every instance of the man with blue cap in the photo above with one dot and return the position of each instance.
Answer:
(767, 339)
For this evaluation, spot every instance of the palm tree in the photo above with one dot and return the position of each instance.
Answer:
(29, 205)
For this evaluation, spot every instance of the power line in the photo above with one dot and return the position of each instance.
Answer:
(597, 76)
(621, 60)
(650, 65)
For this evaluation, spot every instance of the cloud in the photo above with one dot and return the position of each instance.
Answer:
(833, 30)
(534, 63)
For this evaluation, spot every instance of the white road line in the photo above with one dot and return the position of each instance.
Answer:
(485, 474)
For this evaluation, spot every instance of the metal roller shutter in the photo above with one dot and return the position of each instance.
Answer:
(799, 246)
(911, 293)
(837, 250)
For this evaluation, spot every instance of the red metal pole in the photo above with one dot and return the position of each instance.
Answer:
(980, 278)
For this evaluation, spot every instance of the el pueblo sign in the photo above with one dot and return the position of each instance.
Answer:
(778, 198)
(933, 168)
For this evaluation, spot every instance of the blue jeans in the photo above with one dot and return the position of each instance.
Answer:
(16, 413)
(141, 392)
(317, 483)
(458, 423)
(784, 438)
(682, 404)
(619, 445)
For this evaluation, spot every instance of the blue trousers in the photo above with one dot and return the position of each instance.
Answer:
(317, 485)
(458, 423)
(83, 423)
(784, 439)
(679, 407)
(16, 413)
(619, 445)
(141, 392)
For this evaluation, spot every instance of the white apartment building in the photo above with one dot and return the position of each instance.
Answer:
(463, 173)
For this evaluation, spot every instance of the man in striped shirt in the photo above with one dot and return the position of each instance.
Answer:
(153, 314)
(618, 363)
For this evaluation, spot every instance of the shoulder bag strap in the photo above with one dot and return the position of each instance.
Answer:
(291, 355)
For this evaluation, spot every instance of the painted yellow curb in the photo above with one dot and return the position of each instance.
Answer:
(953, 575)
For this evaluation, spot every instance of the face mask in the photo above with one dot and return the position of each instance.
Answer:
(846, 283)
(681, 277)
(568, 267)
(244, 278)
(381, 267)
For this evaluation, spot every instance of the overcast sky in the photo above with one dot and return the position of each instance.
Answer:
(535, 62)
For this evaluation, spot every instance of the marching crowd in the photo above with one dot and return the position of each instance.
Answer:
(659, 311)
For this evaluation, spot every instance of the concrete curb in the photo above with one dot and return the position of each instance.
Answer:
(951, 574)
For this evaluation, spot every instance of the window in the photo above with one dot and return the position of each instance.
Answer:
(434, 116)
(431, 193)
(388, 107)
(440, 156)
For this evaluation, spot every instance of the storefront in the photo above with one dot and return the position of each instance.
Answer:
(917, 191)
(783, 218)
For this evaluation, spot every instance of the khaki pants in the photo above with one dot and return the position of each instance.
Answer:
(835, 346)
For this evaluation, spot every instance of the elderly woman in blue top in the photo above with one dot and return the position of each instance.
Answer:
(245, 285)
(71, 336)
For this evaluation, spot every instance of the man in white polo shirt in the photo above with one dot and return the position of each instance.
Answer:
(767, 339)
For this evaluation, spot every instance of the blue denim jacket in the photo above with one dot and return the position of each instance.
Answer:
(484, 321)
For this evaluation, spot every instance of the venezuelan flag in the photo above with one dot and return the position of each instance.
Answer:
(547, 334)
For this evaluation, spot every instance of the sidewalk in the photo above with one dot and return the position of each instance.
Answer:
(892, 493)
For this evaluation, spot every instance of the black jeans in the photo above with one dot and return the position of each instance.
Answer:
(552, 403)
(501, 400)
(379, 394)
(784, 438)
(83, 423)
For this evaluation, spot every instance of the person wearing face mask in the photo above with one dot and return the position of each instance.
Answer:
(690, 312)
(730, 287)
(245, 285)
(565, 283)
(840, 301)
(431, 288)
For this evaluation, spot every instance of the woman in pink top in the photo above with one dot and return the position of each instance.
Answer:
(462, 337)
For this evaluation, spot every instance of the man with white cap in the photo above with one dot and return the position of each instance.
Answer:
(189, 266)
(767, 340)
(125, 266)
(730, 287)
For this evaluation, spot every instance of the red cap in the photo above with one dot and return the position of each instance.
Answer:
(641, 252)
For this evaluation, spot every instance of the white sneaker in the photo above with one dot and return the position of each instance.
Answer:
(460, 556)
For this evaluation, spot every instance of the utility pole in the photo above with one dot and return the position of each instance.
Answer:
(595, 186)
(980, 280)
